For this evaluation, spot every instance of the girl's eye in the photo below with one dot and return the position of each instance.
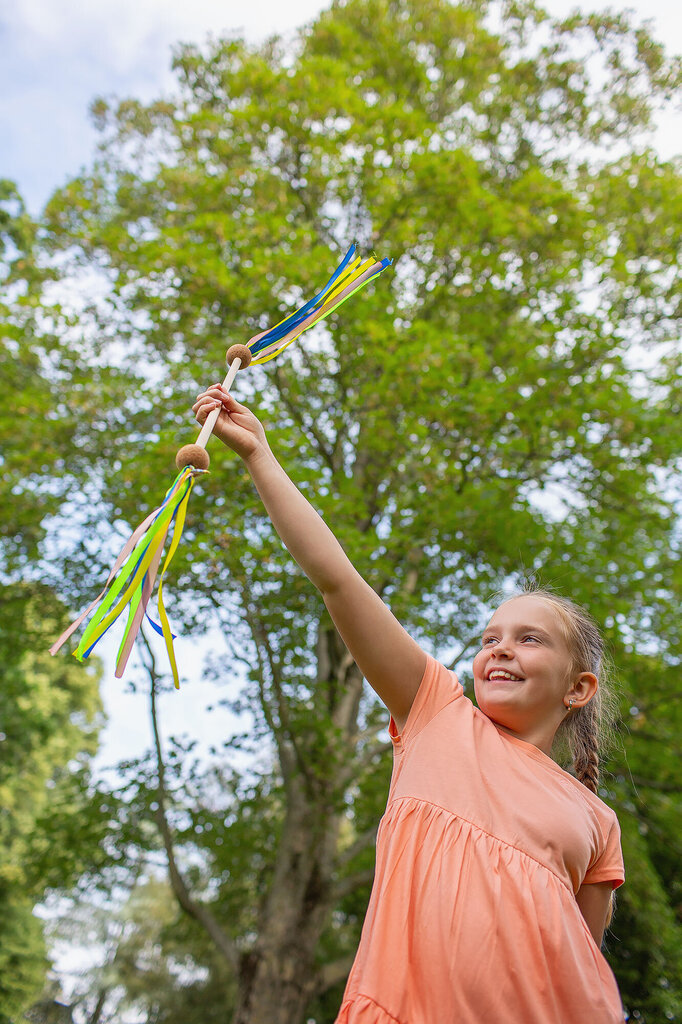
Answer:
(530, 637)
(486, 640)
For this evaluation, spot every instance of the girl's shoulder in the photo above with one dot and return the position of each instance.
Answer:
(438, 688)
(596, 802)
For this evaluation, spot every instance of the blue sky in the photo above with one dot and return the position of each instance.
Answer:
(57, 55)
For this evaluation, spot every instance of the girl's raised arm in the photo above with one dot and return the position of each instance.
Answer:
(390, 660)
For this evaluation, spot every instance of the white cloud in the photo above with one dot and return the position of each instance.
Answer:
(58, 56)
(124, 36)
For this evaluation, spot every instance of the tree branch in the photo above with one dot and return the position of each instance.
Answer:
(345, 886)
(308, 428)
(467, 644)
(363, 760)
(346, 713)
(334, 973)
(96, 1015)
(288, 751)
(367, 838)
(196, 910)
(660, 787)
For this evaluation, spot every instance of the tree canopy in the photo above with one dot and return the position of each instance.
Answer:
(49, 711)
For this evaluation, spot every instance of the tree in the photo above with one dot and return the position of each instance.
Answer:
(481, 416)
(48, 716)
(38, 458)
(49, 710)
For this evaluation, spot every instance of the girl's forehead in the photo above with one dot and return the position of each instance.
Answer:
(527, 611)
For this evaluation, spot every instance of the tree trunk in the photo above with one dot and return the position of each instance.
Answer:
(279, 975)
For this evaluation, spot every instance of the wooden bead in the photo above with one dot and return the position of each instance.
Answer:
(192, 455)
(242, 352)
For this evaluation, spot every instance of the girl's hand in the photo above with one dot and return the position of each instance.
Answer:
(236, 426)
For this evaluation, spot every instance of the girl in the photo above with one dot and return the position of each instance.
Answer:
(495, 867)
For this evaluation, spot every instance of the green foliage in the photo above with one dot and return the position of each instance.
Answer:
(22, 954)
(48, 710)
(646, 935)
(146, 968)
(36, 424)
(646, 939)
(48, 717)
(506, 403)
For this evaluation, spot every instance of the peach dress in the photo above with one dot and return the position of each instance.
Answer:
(484, 843)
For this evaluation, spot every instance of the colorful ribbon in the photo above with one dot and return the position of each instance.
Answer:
(131, 580)
(350, 276)
(138, 563)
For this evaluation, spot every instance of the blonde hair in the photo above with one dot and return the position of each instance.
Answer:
(587, 733)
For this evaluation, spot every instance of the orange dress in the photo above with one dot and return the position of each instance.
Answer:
(484, 843)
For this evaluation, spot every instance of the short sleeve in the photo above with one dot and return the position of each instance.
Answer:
(438, 688)
(608, 867)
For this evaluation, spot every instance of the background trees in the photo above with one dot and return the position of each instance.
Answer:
(505, 404)
(48, 710)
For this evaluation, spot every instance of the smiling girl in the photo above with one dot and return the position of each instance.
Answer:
(495, 867)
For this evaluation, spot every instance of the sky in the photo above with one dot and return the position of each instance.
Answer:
(57, 56)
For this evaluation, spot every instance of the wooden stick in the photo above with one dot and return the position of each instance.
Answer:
(212, 417)
(195, 454)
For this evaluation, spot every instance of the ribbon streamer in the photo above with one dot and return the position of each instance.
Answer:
(138, 563)
(350, 276)
(131, 581)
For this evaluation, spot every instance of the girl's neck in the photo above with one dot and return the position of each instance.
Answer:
(541, 737)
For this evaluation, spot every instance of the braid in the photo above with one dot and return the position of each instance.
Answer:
(583, 742)
(582, 736)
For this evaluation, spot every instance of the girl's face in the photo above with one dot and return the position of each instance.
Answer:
(522, 671)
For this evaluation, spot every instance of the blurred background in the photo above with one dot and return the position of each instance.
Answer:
(502, 404)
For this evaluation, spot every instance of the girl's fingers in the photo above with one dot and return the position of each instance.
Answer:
(212, 397)
(203, 408)
(205, 400)
(217, 393)
(231, 403)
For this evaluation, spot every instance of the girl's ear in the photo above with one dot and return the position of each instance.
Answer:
(583, 689)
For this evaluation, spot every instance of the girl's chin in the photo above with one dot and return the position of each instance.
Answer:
(501, 709)
(499, 696)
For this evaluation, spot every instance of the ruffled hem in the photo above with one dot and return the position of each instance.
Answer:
(363, 1010)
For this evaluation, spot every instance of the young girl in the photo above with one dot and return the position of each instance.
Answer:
(495, 867)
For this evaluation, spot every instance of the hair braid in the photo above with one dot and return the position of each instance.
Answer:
(583, 742)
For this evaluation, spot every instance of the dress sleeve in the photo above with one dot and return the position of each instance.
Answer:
(438, 688)
(608, 867)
